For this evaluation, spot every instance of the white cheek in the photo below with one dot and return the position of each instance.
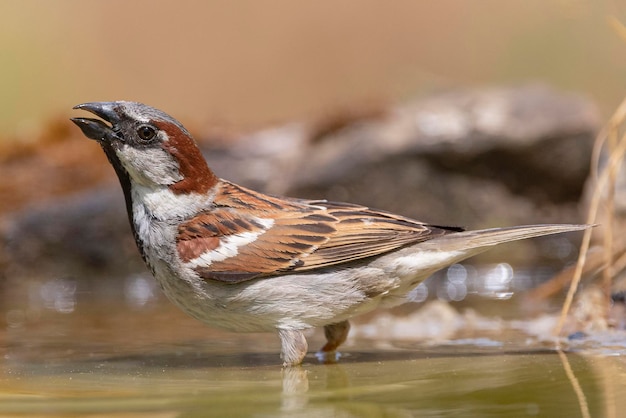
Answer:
(149, 166)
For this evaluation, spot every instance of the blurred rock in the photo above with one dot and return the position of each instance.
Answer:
(87, 234)
(52, 164)
(436, 321)
(475, 158)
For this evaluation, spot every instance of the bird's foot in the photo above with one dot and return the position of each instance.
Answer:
(293, 346)
(336, 334)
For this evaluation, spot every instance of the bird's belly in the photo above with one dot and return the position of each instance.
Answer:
(290, 301)
(196, 300)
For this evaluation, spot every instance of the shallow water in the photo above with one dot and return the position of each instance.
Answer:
(190, 381)
(102, 356)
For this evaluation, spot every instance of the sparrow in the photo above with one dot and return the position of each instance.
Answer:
(246, 261)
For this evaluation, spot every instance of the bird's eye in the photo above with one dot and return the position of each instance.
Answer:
(146, 132)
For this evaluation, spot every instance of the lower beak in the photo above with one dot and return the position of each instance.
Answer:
(95, 128)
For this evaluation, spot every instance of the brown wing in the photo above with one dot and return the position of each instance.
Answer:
(250, 235)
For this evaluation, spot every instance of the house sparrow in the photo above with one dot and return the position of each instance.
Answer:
(250, 262)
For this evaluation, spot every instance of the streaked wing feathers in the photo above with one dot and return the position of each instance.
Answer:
(250, 235)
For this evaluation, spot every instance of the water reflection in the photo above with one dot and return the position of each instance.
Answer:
(494, 281)
(145, 358)
(57, 294)
(139, 289)
(118, 348)
(456, 283)
(295, 389)
(419, 294)
(442, 381)
(15, 318)
(497, 282)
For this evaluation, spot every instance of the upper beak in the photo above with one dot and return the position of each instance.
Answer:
(95, 128)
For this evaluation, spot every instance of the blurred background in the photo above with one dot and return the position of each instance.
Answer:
(253, 63)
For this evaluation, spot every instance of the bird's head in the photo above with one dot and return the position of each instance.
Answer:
(149, 146)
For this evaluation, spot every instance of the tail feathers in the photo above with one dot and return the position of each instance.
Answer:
(488, 237)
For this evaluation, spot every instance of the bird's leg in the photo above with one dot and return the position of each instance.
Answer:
(294, 346)
(336, 335)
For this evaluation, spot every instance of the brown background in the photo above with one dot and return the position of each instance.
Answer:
(250, 63)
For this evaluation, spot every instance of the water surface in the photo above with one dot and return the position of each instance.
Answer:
(108, 357)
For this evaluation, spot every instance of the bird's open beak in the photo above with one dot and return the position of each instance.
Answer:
(95, 128)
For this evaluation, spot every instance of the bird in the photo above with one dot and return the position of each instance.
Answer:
(246, 261)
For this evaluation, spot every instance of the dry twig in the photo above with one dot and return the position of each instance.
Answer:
(605, 181)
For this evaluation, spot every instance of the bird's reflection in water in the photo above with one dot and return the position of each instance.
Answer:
(295, 389)
(295, 395)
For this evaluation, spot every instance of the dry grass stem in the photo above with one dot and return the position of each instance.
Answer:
(605, 181)
(578, 390)
(618, 27)
(608, 272)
